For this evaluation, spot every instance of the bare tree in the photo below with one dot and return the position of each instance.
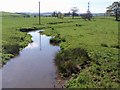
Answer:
(74, 11)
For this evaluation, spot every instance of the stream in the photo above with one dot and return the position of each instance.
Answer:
(34, 67)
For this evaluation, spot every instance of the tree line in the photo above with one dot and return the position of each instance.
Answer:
(73, 13)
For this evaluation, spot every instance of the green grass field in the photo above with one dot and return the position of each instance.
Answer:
(98, 38)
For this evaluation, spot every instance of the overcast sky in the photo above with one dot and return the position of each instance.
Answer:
(96, 6)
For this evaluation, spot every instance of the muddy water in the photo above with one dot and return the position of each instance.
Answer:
(34, 67)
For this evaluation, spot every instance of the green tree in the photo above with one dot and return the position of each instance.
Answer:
(60, 15)
(74, 11)
(114, 10)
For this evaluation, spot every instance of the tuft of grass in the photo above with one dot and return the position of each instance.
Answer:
(12, 48)
(56, 40)
(72, 61)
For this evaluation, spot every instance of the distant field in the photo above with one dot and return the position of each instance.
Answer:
(99, 37)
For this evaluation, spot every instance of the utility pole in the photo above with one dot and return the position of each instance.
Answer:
(89, 15)
(39, 15)
(88, 7)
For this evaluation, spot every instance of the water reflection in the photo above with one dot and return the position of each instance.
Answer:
(32, 46)
(40, 40)
(0, 79)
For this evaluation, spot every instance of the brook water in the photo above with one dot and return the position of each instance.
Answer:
(34, 67)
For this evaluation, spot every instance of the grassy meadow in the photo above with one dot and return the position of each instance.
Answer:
(89, 49)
